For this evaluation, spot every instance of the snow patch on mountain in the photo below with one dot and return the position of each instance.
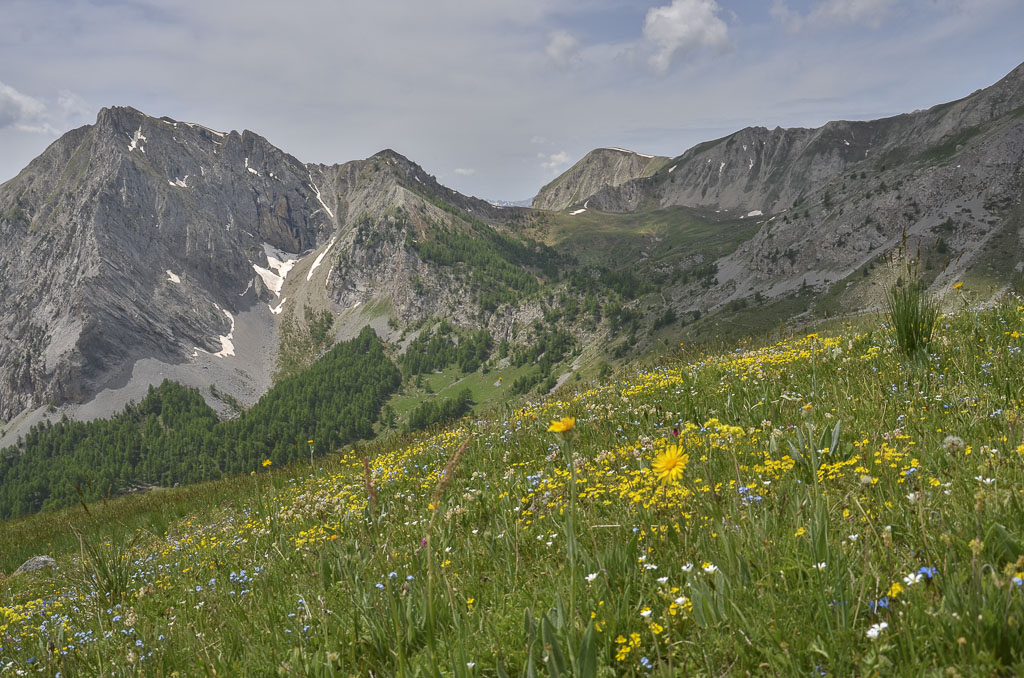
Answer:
(136, 138)
(173, 278)
(316, 190)
(318, 260)
(281, 264)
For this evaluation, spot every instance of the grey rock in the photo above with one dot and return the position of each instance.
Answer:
(602, 167)
(35, 564)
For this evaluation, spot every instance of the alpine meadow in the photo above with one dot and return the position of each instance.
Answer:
(745, 401)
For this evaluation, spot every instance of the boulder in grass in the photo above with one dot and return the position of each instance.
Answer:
(36, 563)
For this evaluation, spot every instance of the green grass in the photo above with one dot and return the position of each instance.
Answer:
(663, 235)
(487, 394)
(842, 511)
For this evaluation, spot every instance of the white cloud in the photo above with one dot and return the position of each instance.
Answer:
(537, 139)
(21, 111)
(464, 171)
(869, 13)
(563, 49)
(683, 27)
(554, 161)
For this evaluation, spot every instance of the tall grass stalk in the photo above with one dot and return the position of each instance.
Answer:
(912, 314)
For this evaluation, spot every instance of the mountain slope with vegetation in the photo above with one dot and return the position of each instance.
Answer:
(759, 509)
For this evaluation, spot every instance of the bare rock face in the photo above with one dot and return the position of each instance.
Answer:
(136, 237)
(599, 168)
(833, 199)
(138, 245)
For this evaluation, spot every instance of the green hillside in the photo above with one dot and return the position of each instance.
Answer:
(823, 505)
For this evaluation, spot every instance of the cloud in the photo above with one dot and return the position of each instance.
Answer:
(21, 111)
(683, 27)
(464, 172)
(554, 161)
(871, 13)
(537, 139)
(563, 49)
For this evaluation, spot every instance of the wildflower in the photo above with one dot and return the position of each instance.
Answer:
(958, 285)
(687, 568)
(710, 568)
(928, 572)
(953, 444)
(895, 589)
(266, 463)
(876, 629)
(801, 532)
(656, 628)
(645, 613)
(591, 577)
(670, 464)
(820, 566)
(563, 425)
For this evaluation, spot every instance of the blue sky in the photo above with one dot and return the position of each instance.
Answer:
(493, 97)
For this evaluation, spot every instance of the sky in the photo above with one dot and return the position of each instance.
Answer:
(493, 97)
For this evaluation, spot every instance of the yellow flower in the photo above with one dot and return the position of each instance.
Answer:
(958, 285)
(563, 425)
(799, 533)
(310, 442)
(656, 628)
(895, 589)
(670, 464)
(266, 463)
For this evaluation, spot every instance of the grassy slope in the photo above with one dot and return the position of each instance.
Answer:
(758, 559)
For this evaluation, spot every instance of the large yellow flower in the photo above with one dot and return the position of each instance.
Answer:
(563, 425)
(670, 464)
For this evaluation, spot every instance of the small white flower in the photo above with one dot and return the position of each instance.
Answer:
(876, 629)
(680, 601)
(914, 496)
(470, 665)
(987, 481)
(650, 566)
(709, 568)
(688, 567)
(820, 566)
(591, 577)
(645, 613)
(853, 537)
(662, 580)
(913, 578)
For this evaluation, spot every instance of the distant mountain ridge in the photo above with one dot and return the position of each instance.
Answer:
(599, 168)
(837, 198)
(140, 248)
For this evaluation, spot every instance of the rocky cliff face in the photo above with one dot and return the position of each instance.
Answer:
(140, 247)
(834, 199)
(599, 168)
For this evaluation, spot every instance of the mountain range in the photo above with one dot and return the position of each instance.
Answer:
(140, 248)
